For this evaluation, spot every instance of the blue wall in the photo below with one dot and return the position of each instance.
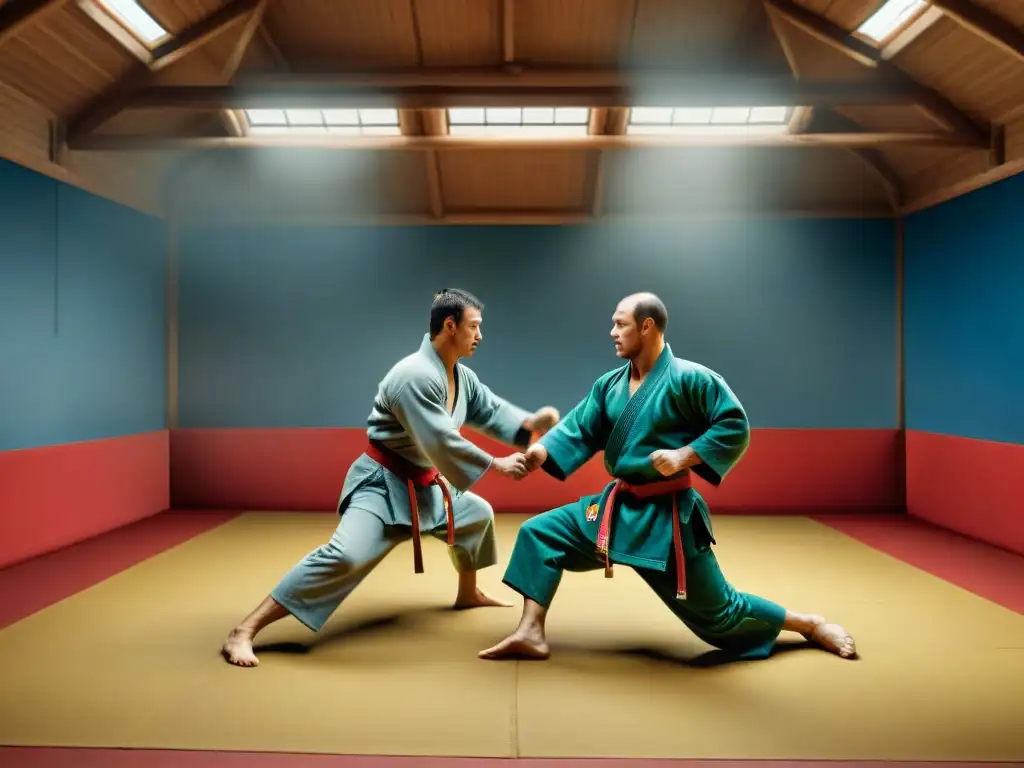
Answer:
(82, 333)
(293, 327)
(964, 315)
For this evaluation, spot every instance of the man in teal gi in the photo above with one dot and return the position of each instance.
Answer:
(658, 419)
(417, 470)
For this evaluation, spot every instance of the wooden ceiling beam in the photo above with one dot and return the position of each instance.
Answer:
(508, 31)
(119, 142)
(113, 100)
(847, 43)
(985, 24)
(202, 32)
(15, 17)
(388, 91)
(801, 118)
(252, 25)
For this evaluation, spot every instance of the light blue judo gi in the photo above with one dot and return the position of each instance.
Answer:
(409, 418)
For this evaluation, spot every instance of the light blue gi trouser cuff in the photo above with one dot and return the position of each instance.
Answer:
(465, 562)
(311, 619)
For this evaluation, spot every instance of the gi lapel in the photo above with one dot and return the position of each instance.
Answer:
(627, 421)
(427, 349)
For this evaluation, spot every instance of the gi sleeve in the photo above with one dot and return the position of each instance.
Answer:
(419, 408)
(727, 437)
(574, 440)
(495, 416)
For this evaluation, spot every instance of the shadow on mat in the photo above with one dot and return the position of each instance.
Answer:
(366, 626)
(710, 659)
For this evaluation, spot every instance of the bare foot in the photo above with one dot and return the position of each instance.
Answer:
(524, 643)
(238, 649)
(478, 599)
(831, 637)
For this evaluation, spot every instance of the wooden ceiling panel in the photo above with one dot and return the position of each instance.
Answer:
(303, 184)
(977, 76)
(460, 32)
(1010, 10)
(909, 162)
(848, 14)
(50, 75)
(565, 32)
(178, 15)
(653, 182)
(63, 59)
(71, 28)
(538, 180)
(890, 119)
(814, 59)
(355, 34)
(946, 171)
(709, 35)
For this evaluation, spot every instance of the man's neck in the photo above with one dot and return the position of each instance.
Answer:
(447, 355)
(644, 362)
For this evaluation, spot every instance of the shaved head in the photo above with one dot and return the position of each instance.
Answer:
(631, 332)
(646, 305)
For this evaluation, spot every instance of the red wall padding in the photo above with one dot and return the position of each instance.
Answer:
(785, 470)
(967, 486)
(58, 495)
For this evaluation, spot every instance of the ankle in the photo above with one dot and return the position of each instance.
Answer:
(532, 625)
(803, 623)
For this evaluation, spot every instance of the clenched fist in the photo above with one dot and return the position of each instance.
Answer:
(543, 420)
(536, 455)
(513, 466)
(668, 463)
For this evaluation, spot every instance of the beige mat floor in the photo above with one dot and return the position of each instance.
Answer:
(133, 661)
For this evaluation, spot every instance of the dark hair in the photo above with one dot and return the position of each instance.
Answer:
(649, 305)
(450, 302)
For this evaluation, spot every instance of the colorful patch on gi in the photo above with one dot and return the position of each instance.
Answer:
(592, 513)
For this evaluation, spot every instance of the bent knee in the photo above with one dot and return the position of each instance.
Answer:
(341, 560)
(533, 529)
(476, 509)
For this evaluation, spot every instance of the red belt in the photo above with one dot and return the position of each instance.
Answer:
(646, 491)
(414, 477)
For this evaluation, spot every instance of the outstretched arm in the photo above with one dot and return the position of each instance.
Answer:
(574, 440)
(497, 417)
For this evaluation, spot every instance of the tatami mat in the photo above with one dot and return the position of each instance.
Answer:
(133, 661)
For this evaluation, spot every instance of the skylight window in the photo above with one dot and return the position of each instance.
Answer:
(344, 122)
(708, 120)
(889, 18)
(134, 18)
(519, 121)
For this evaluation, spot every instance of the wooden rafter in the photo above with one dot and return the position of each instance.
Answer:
(870, 156)
(231, 120)
(985, 24)
(111, 142)
(202, 32)
(274, 48)
(114, 99)
(252, 25)
(800, 120)
(852, 46)
(483, 87)
(16, 17)
(802, 117)
(508, 31)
